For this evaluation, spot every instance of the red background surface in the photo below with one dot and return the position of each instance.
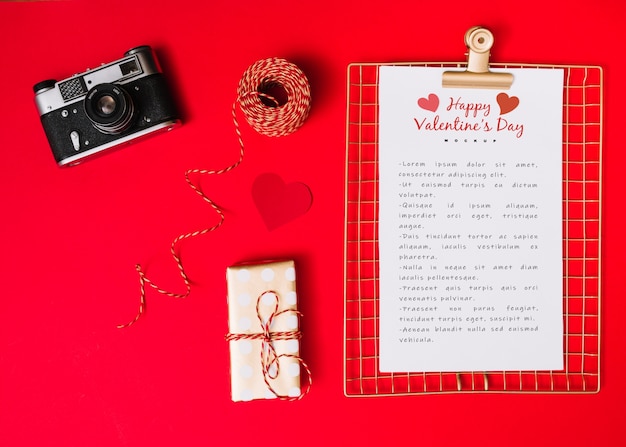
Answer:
(71, 237)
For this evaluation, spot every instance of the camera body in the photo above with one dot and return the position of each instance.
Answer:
(106, 107)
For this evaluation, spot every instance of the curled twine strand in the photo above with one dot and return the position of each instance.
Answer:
(269, 357)
(272, 120)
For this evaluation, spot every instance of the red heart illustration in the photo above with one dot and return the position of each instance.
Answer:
(507, 103)
(429, 104)
(280, 203)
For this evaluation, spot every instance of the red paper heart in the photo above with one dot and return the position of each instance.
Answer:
(429, 104)
(280, 203)
(507, 103)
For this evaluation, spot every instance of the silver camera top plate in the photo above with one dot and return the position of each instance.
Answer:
(136, 63)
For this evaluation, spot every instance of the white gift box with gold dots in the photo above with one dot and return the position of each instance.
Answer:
(264, 334)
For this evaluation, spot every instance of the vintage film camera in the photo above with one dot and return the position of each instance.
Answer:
(105, 107)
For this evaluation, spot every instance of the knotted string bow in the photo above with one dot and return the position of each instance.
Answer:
(270, 359)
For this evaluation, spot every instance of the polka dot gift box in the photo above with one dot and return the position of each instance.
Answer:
(264, 333)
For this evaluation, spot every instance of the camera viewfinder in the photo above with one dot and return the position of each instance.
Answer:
(129, 67)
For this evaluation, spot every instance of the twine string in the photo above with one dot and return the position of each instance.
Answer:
(270, 359)
(267, 116)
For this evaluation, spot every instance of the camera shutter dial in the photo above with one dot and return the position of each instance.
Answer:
(44, 85)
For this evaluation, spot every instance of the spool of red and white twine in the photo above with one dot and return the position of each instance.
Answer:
(260, 90)
(275, 98)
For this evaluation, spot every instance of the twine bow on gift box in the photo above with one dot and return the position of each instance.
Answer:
(270, 359)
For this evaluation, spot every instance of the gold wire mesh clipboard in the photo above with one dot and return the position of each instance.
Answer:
(582, 166)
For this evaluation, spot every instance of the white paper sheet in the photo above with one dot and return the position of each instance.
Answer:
(470, 223)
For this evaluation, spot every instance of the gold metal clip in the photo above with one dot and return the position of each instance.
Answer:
(479, 41)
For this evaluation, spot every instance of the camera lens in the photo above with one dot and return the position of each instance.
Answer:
(106, 105)
(109, 108)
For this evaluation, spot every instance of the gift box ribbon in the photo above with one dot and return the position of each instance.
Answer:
(269, 357)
